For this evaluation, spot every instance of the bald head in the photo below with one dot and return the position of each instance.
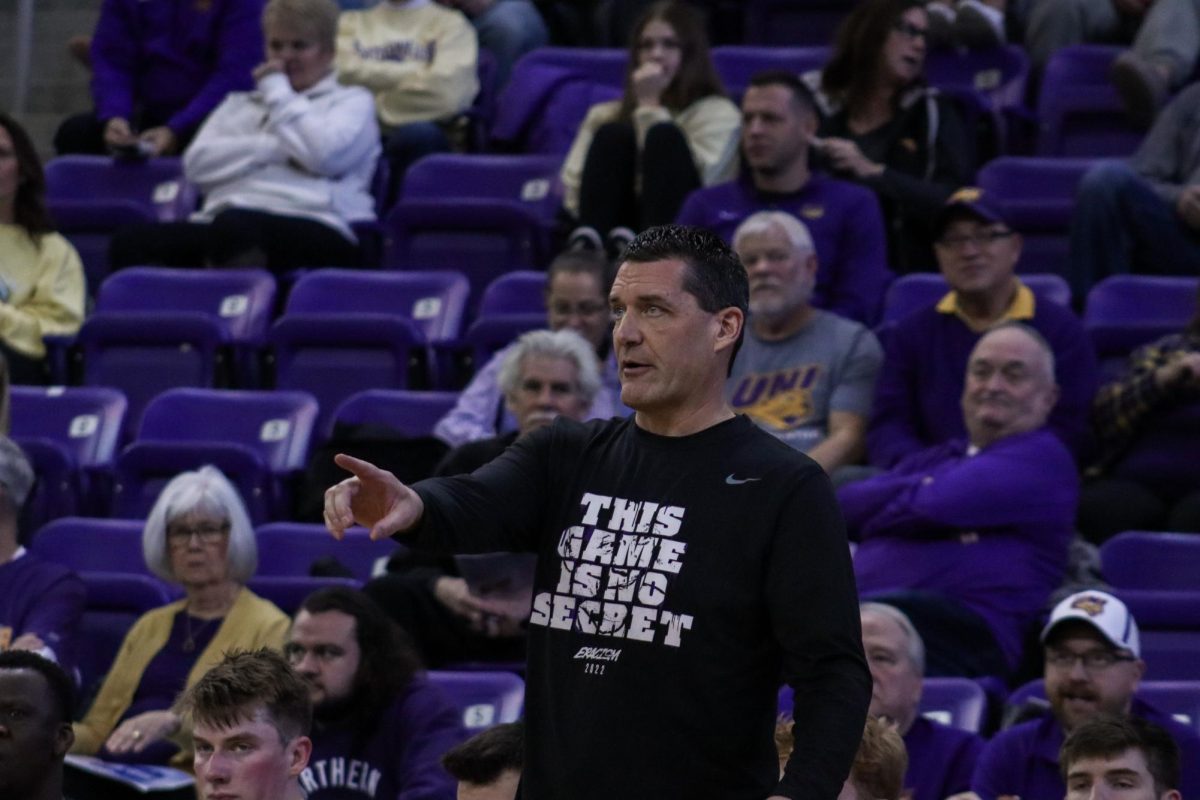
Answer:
(1010, 386)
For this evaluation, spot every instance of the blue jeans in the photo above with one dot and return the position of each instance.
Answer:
(1121, 225)
(509, 30)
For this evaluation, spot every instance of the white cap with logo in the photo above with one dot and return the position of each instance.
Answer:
(1103, 612)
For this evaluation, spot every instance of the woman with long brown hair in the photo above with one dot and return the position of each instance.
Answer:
(634, 160)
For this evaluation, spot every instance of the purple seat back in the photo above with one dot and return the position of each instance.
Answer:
(959, 702)
(411, 413)
(525, 181)
(997, 75)
(155, 186)
(517, 292)
(85, 420)
(794, 22)
(1171, 655)
(490, 334)
(290, 548)
(1125, 311)
(485, 698)
(434, 301)
(289, 591)
(549, 92)
(737, 64)
(919, 290)
(1080, 111)
(240, 300)
(1151, 560)
(94, 545)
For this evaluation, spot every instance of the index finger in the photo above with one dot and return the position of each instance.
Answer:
(363, 470)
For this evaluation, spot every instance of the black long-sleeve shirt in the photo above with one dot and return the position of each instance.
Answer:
(678, 579)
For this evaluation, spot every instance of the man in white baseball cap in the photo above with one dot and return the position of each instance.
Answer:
(1093, 666)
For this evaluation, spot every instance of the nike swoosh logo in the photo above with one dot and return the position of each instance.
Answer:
(732, 481)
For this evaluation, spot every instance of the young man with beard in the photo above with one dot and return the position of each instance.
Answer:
(379, 728)
(1093, 667)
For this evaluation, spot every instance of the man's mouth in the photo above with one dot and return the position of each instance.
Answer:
(632, 369)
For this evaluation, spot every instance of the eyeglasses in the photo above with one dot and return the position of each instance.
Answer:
(981, 239)
(585, 309)
(1092, 660)
(906, 28)
(325, 653)
(180, 535)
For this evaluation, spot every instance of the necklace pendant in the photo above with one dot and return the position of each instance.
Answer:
(189, 645)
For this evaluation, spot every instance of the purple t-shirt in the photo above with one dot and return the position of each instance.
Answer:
(1023, 760)
(43, 598)
(942, 520)
(846, 227)
(941, 759)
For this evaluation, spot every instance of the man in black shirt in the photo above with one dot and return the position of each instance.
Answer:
(687, 561)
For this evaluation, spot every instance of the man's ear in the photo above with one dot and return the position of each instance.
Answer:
(64, 739)
(729, 327)
(299, 750)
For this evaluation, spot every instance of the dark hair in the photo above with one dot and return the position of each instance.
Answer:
(585, 262)
(245, 681)
(61, 686)
(801, 94)
(482, 758)
(29, 208)
(387, 661)
(853, 68)
(714, 276)
(1193, 325)
(1110, 735)
(696, 78)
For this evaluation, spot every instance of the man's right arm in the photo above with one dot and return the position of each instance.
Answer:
(114, 61)
(1158, 158)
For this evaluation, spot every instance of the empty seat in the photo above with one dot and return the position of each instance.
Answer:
(919, 290)
(290, 548)
(1149, 560)
(517, 292)
(70, 435)
(289, 591)
(485, 698)
(259, 439)
(1080, 111)
(92, 545)
(1126, 311)
(737, 64)
(410, 413)
(959, 702)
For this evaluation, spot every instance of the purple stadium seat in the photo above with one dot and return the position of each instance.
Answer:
(490, 334)
(485, 698)
(918, 290)
(1037, 198)
(77, 428)
(550, 91)
(794, 22)
(1126, 311)
(737, 64)
(517, 292)
(1080, 111)
(410, 413)
(94, 545)
(260, 440)
(114, 603)
(89, 197)
(987, 85)
(1168, 614)
(1171, 655)
(959, 702)
(1152, 560)
(289, 591)
(290, 548)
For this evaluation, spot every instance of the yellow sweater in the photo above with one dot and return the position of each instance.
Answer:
(417, 58)
(251, 623)
(42, 289)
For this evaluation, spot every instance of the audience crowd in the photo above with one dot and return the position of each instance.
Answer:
(980, 450)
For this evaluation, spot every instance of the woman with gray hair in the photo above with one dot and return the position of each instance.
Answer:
(198, 536)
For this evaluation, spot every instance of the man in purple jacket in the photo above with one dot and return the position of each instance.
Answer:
(778, 118)
(158, 69)
(969, 537)
(1093, 667)
(379, 727)
(916, 395)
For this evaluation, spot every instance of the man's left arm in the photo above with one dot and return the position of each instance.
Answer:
(813, 605)
(432, 726)
(55, 618)
(850, 404)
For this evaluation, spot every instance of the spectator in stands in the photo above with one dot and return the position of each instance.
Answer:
(576, 299)
(1136, 484)
(883, 127)
(419, 60)
(975, 24)
(940, 757)
(41, 277)
(197, 536)
(1093, 667)
(379, 727)
(36, 704)
(488, 765)
(544, 375)
(1142, 215)
(925, 354)
(158, 70)
(41, 603)
(779, 117)
(878, 769)
(933, 530)
(634, 160)
(1165, 35)
(508, 29)
(1119, 756)
(252, 717)
(285, 169)
(803, 374)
